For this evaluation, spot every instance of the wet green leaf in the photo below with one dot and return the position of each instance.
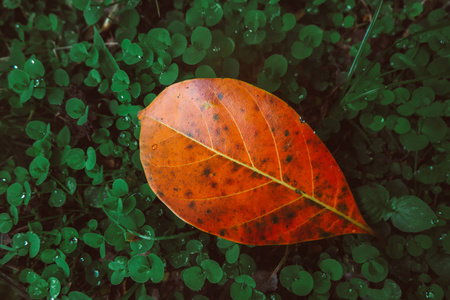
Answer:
(92, 14)
(434, 128)
(413, 141)
(411, 214)
(34, 67)
(6, 223)
(212, 270)
(18, 81)
(39, 168)
(194, 278)
(242, 287)
(57, 198)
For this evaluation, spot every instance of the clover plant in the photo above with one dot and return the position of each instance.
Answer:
(77, 217)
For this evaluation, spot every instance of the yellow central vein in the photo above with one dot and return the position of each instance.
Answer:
(229, 195)
(312, 198)
(309, 158)
(191, 163)
(270, 130)
(232, 117)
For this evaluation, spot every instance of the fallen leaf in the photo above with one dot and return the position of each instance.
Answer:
(238, 162)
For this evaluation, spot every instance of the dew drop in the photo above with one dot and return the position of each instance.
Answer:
(155, 146)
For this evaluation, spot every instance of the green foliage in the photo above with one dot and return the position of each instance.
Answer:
(77, 215)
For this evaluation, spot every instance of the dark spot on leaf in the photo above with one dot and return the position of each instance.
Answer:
(200, 221)
(225, 128)
(242, 110)
(175, 189)
(222, 232)
(192, 204)
(190, 146)
(297, 132)
(286, 133)
(206, 171)
(289, 158)
(220, 96)
(322, 233)
(298, 191)
(290, 215)
(236, 167)
(344, 189)
(286, 178)
(188, 194)
(208, 211)
(214, 185)
(229, 181)
(319, 194)
(275, 219)
(255, 175)
(216, 117)
(160, 194)
(287, 146)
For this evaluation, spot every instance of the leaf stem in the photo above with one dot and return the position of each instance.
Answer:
(60, 184)
(362, 46)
